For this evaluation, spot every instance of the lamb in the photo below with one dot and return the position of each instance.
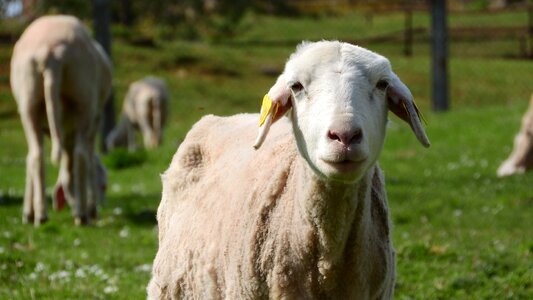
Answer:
(304, 216)
(145, 108)
(521, 159)
(59, 74)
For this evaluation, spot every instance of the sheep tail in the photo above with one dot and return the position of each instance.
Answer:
(50, 67)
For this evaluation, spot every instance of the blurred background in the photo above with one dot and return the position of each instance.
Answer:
(460, 231)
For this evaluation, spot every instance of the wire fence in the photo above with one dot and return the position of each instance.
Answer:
(499, 28)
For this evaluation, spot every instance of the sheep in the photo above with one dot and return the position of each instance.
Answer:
(521, 159)
(145, 108)
(304, 216)
(59, 74)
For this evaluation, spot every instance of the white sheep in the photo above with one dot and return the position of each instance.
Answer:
(303, 217)
(59, 74)
(521, 159)
(145, 108)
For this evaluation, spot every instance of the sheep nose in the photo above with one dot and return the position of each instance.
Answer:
(346, 137)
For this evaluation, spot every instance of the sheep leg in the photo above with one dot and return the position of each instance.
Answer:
(92, 193)
(80, 182)
(156, 122)
(93, 188)
(64, 180)
(147, 133)
(27, 206)
(34, 207)
(130, 134)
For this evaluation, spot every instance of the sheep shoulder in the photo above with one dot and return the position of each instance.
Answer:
(217, 155)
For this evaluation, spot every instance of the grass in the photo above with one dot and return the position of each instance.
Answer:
(459, 231)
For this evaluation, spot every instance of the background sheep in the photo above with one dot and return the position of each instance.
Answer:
(59, 74)
(145, 108)
(303, 217)
(521, 159)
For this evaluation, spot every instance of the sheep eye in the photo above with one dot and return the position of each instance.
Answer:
(382, 85)
(296, 87)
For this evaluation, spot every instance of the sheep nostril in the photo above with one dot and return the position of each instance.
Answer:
(334, 136)
(346, 138)
(357, 136)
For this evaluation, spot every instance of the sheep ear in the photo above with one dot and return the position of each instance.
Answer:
(401, 103)
(275, 104)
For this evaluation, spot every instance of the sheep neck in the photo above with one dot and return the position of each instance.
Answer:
(339, 214)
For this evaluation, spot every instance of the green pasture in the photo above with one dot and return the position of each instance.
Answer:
(459, 231)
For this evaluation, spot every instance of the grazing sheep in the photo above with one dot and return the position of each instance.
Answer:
(303, 217)
(521, 159)
(59, 74)
(145, 108)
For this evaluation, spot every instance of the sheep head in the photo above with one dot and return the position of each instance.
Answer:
(339, 95)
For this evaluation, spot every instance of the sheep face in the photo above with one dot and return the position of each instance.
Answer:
(338, 113)
(340, 94)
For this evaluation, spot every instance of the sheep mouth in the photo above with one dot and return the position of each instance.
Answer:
(345, 165)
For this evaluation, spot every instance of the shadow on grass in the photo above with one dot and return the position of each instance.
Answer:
(7, 200)
(9, 114)
(145, 217)
(138, 209)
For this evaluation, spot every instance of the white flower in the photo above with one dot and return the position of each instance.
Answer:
(77, 242)
(104, 276)
(452, 166)
(144, 268)
(124, 233)
(116, 187)
(60, 275)
(138, 189)
(96, 270)
(80, 273)
(117, 211)
(39, 267)
(69, 264)
(110, 289)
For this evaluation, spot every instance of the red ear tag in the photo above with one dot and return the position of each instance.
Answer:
(59, 199)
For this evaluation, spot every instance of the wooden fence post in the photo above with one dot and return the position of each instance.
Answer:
(102, 32)
(408, 32)
(530, 28)
(439, 46)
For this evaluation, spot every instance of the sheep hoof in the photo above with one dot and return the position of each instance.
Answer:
(40, 221)
(27, 218)
(81, 221)
(93, 213)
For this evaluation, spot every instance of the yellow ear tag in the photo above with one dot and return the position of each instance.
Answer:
(266, 109)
